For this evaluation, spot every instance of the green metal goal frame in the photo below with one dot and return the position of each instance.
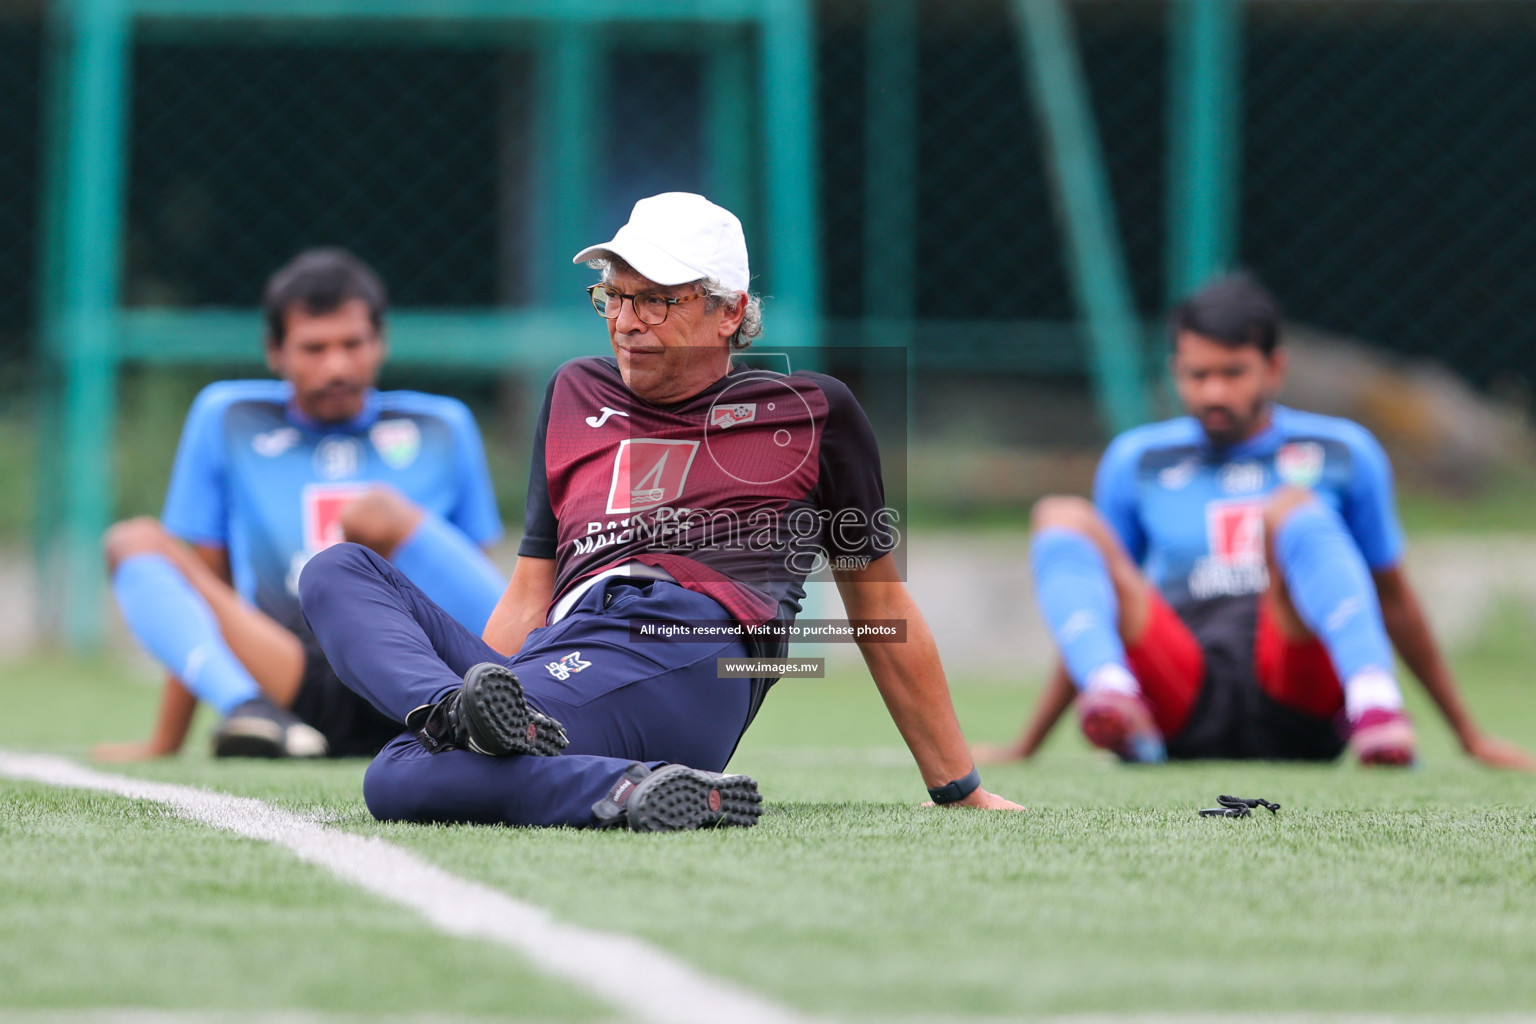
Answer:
(768, 109)
(87, 334)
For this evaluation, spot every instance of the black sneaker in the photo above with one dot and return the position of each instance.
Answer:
(489, 716)
(259, 728)
(676, 798)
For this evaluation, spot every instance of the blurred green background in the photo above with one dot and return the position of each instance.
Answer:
(911, 172)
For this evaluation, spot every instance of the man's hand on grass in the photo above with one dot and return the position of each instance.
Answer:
(997, 753)
(136, 750)
(1497, 753)
(981, 799)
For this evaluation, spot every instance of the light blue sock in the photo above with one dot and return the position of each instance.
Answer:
(1078, 601)
(173, 622)
(1335, 596)
(450, 570)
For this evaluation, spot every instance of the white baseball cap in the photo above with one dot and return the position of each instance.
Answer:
(678, 237)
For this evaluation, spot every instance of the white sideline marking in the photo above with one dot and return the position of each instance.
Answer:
(628, 973)
(158, 1016)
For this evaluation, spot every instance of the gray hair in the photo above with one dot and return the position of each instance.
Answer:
(715, 294)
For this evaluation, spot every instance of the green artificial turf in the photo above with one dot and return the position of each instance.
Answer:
(1399, 893)
(117, 903)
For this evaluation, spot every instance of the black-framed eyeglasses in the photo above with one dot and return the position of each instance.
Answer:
(651, 307)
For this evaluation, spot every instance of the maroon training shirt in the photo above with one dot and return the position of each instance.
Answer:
(739, 492)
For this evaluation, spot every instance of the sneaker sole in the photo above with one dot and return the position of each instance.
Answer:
(499, 719)
(676, 798)
(1392, 748)
(1392, 757)
(263, 738)
(1108, 729)
(1105, 728)
(255, 737)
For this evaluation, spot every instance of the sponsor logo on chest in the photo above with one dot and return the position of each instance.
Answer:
(1234, 533)
(649, 472)
(322, 513)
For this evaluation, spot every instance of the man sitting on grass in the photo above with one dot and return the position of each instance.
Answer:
(1235, 589)
(669, 488)
(267, 474)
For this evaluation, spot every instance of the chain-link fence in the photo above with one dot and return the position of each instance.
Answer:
(249, 153)
(988, 247)
(1387, 183)
(20, 84)
(243, 153)
(420, 158)
(1384, 186)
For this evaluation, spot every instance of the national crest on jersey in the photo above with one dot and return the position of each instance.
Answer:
(1193, 515)
(398, 441)
(1300, 463)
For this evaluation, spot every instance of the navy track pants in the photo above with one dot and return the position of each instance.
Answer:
(620, 701)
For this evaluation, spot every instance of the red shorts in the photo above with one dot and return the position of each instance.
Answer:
(1170, 666)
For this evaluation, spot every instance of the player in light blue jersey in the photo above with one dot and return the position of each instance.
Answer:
(1236, 588)
(267, 474)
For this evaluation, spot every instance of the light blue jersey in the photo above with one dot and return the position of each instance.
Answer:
(256, 476)
(1191, 514)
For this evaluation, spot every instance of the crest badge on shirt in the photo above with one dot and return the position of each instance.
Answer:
(1300, 463)
(337, 458)
(398, 442)
(723, 416)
